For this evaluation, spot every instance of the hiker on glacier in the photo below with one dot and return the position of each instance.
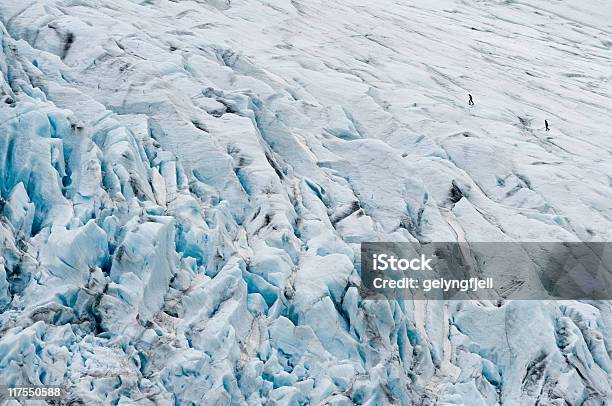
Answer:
(546, 125)
(470, 100)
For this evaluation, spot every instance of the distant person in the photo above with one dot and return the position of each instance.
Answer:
(546, 125)
(470, 101)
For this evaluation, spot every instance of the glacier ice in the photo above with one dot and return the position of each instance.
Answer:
(185, 185)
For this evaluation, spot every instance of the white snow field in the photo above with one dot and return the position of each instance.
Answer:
(185, 185)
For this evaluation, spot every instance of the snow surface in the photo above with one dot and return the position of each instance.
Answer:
(185, 185)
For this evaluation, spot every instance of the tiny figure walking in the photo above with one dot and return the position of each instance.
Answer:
(470, 101)
(546, 125)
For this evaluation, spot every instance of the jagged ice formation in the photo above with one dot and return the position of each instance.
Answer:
(185, 185)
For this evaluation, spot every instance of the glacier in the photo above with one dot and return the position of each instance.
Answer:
(185, 186)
